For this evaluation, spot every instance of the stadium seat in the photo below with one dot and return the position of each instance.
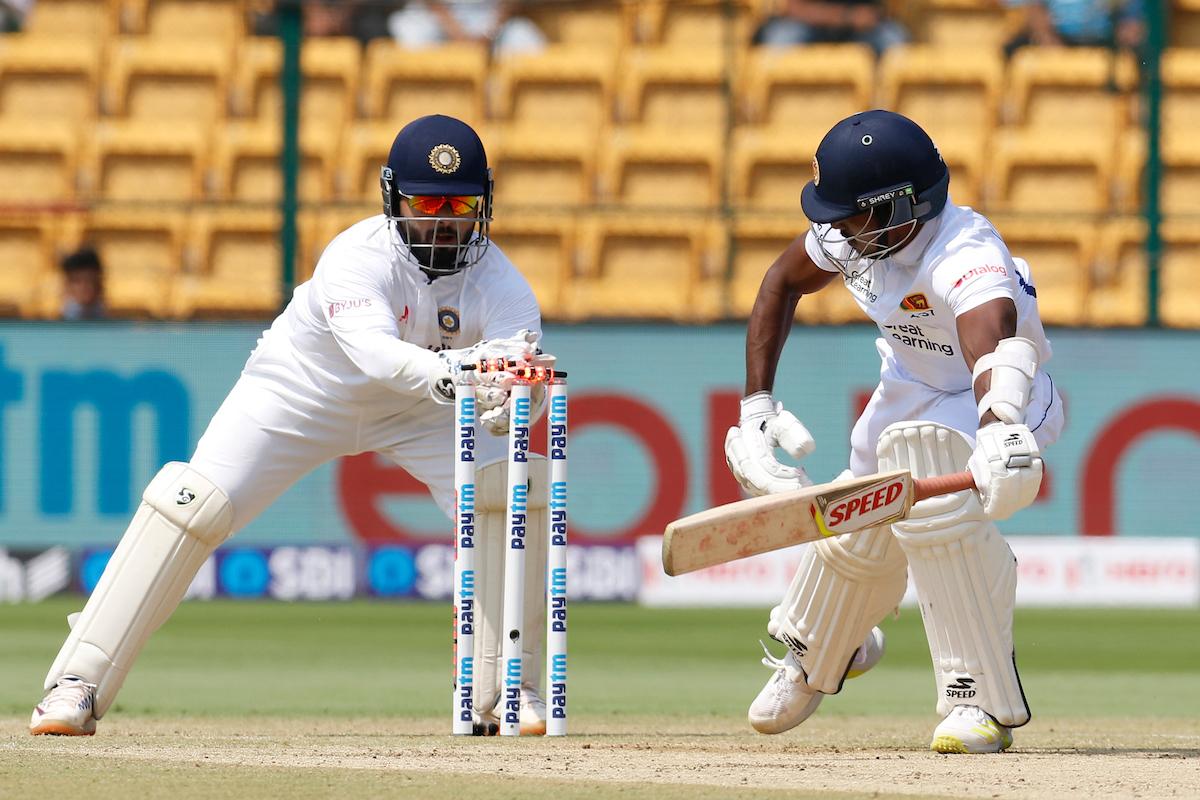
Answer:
(1118, 292)
(1180, 193)
(234, 264)
(1184, 28)
(558, 86)
(1060, 253)
(401, 85)
(49, 77)
(1046, 172)
(73, 17)
(806, 88)
(661, 169)
(38, 161)
(1179, 292)
(142, 252)
(1088, 86)
(587, 23)
(757, 241)
(171, 82)
(1181, 89)
(363, 152)
(673, 87)
(693, 23)
(140, 160)
(27, 250)
(330, 68)
(966, 157)
(1129, 171)
(535, 165)
(948, 90)
(543, 248)
(983, 24)
(648, 267)
(218, 20)
(246, 163)
(769, 167)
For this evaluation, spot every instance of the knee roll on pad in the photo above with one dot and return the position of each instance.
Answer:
(181, 520)
(965, 576)
(843, 587)
(491, 485)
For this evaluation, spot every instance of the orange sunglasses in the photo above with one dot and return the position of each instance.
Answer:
(433, 203)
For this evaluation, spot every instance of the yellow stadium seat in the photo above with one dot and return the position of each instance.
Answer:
(560, 86)
(246, 163)
(330, 70)
(1179, 288)
(1181, 89)
(769, 167)
(1060, 253)
(1129, 171)
(693, 23)
(222, 20)
(539, 166)
(27, 250)
(808, 88)
(38, 161)
(1046, 172)
(234, 265)
(543, 248)
(673, 87)
(947, 90)
(51, 78)
(1184, 28)
(589, 23)
(138, 160)
(73, 17)
(1118, 292)
(1181, 174)
(662, 169)
(984, 24)
(172, 82)
(364, 151)
(1087, 86)
(965, 156)
(142, 252)
(757, 242)
(401, 85)
(648, 267)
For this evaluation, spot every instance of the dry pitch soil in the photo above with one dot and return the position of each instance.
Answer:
(652, 758)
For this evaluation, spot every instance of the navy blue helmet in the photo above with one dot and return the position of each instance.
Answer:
(879, 162)
(439, 156)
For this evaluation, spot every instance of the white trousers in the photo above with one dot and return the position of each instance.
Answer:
(265, 437)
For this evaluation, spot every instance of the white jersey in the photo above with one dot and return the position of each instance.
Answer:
(364, 330)
(955, 263)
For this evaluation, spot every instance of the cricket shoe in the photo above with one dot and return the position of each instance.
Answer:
(970, 729)
(66, 710)
(787, 700)
(533, 712)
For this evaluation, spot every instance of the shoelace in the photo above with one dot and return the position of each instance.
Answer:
(69, 693)
(769, 660)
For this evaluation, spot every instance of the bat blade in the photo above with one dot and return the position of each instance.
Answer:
(762, 524)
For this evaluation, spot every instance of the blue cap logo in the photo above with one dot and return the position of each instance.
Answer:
(445, 159)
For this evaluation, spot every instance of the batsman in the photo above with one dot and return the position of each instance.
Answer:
(363, 359)
(962, 386)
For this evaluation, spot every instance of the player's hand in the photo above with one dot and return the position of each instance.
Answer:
(1007, 467)
(493, 396)
(750, 447)
(520, 347)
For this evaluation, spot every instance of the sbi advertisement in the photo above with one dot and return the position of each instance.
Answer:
(90, 411)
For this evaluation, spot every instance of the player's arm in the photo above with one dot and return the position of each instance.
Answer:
(763, 425)
(792, 275)
(980, 330)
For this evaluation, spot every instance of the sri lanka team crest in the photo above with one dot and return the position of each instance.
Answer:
(448, 319)
(915, 302)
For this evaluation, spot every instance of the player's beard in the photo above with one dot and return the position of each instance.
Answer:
(442, 250)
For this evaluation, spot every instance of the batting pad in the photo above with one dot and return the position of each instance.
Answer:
(181, 520)
(491, 487)
(842, 588)
(965, 576)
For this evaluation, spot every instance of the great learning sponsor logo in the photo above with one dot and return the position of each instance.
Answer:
(915, 337)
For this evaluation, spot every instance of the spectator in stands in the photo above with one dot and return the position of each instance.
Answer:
(1081, 23)
(363, 19)
(12, 14)
(822, 21)
(422, 23)
(83, 285)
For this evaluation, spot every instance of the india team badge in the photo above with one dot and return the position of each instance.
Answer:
(445, 159)
(448, 320)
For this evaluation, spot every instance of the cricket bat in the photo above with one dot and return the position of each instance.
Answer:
(762, 524)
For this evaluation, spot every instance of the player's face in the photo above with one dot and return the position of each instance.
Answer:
(436, 227)
(871, 233)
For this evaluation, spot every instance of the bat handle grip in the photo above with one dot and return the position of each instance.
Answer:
(941, 484)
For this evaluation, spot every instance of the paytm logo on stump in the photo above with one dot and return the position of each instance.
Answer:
(115, 400)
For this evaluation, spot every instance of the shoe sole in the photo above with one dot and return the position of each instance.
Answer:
(952, 744)
(51, 728)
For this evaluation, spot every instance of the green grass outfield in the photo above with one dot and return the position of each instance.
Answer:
(245, 699)
(306, 659)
